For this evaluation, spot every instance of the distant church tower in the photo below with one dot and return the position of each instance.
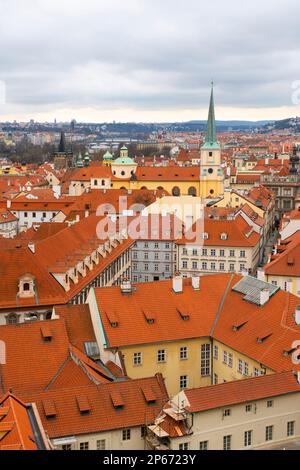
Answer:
(211, 172)
(63, 158)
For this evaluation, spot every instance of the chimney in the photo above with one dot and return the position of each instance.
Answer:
(177, 284)
(126, 286)
(8, 204)
(260, 274)
(264, 297)
(77, 218)
(196, 283)
(31, 247)
(297, 315)
(87, 214)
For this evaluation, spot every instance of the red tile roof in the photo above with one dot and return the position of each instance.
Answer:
(239, 233)
(49, 364)
(15, 425)
(214, 311)
(241, 391)
(287, 262)
(65, 249)
(130, 410)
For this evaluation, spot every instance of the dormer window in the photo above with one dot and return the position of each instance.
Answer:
(205, 236)
(26, 286)
(224, 236)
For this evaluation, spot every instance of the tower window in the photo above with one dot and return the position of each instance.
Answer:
(210, 154)
(210, 171)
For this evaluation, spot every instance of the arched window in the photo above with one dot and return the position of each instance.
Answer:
(12, 319)
(192, 191)
(176, 191)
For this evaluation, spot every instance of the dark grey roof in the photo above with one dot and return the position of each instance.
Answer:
(251, 287)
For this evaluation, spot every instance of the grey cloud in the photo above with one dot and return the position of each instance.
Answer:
(148, 54)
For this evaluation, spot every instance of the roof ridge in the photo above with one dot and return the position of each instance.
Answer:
(221, 305)
(58, 373)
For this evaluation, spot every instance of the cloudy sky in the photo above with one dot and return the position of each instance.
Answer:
(149, 60)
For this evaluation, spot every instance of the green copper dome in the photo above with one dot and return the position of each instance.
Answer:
(124, 161)
(108, 156)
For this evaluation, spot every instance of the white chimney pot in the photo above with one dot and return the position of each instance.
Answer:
(196, 283)
(177, 285)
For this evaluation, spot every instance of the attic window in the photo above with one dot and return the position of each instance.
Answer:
(224, 236)
(149, 316)
(117, 399)
(49, 409)
(238, 326)
(185, 316)
(287, 353)
(149, 395)
(262, 339)
(113, 319)
(205, 236)
(46, 334)
(290, 261)
(83, 405)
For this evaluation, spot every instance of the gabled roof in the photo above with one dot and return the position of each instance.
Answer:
(16, 432)
(238, 233)
(132, 409)
(49, 364)
(287, 261)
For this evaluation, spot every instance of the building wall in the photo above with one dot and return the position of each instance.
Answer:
(173, 368)
(153, 260)
(188, 255)
(168, 186)
(9, 229)
(113, 440)
(289, 284)
(30, 217)
(226, 373)
(212, 426)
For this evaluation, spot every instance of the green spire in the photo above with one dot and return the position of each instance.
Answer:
(211, 135)
(79, 162)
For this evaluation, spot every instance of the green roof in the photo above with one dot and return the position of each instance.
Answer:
(124, 161)
(107, 156)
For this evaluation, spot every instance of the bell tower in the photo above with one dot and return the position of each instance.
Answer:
(211, 172)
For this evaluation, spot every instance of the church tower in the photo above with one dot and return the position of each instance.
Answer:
(211, 172)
